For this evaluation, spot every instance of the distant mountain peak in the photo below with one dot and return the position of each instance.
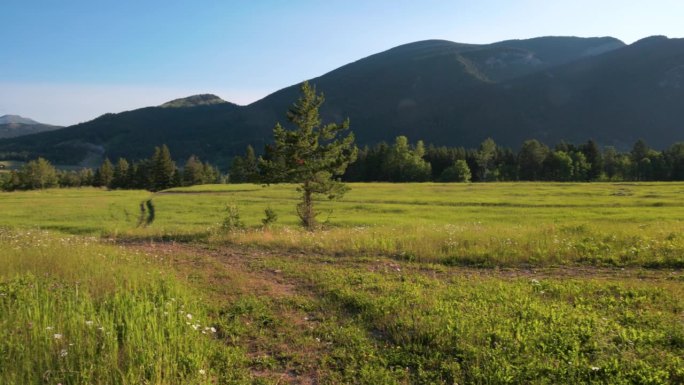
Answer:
(16, 119)
(12, 126)
(194, 101)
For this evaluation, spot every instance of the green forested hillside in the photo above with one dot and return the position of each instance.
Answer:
(551, 89)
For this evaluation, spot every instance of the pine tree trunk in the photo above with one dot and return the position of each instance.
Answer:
(305, 210)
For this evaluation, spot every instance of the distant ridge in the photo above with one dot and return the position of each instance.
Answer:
(16, 119)
(12, 126)
(446, 93)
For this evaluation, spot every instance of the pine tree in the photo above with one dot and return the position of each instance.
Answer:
(311, 154)
(141, 175)
(105, 174)
(592, 152)
(251, 166)
(485, 157)
(211, 174)
(121, 177)
(163, 169)
(86, 177)
(531, 159)
(245, 169)
(193, 172)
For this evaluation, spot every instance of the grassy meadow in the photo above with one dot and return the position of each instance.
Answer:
(492, 224)
(501, 283)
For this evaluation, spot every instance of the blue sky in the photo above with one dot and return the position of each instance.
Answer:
(64, 62)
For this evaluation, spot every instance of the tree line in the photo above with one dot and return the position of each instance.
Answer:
(159, 172)
(401, 161)
(534, 161)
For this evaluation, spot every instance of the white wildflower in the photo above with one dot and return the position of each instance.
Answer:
(63, 353)
(189, 316)
(49, 328)
(202, 372)
(595, 368)
(213, 329)
(89, 323)
(58, 336)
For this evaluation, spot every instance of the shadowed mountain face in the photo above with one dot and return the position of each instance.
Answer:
(551, 88)
(12, 126)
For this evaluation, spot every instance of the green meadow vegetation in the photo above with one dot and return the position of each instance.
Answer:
(497, 283)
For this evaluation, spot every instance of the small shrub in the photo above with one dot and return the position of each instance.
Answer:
(232, 220)
(271, 217)
(147, 213)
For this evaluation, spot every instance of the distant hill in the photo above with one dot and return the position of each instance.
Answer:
(194, 101)
(550, 88)
(133, 134)
(12, 126)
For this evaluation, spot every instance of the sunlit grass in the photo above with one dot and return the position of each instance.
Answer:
(415, 324)
(635, 224)
(74, 311)
(382, 294)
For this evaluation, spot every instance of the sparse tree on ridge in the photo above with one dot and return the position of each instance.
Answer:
(312, 154)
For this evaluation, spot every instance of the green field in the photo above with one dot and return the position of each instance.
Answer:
(497, 283)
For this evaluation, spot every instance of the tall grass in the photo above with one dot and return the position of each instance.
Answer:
(73, 311)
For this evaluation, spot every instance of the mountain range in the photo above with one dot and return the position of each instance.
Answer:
(446, 93)
(12, 126)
